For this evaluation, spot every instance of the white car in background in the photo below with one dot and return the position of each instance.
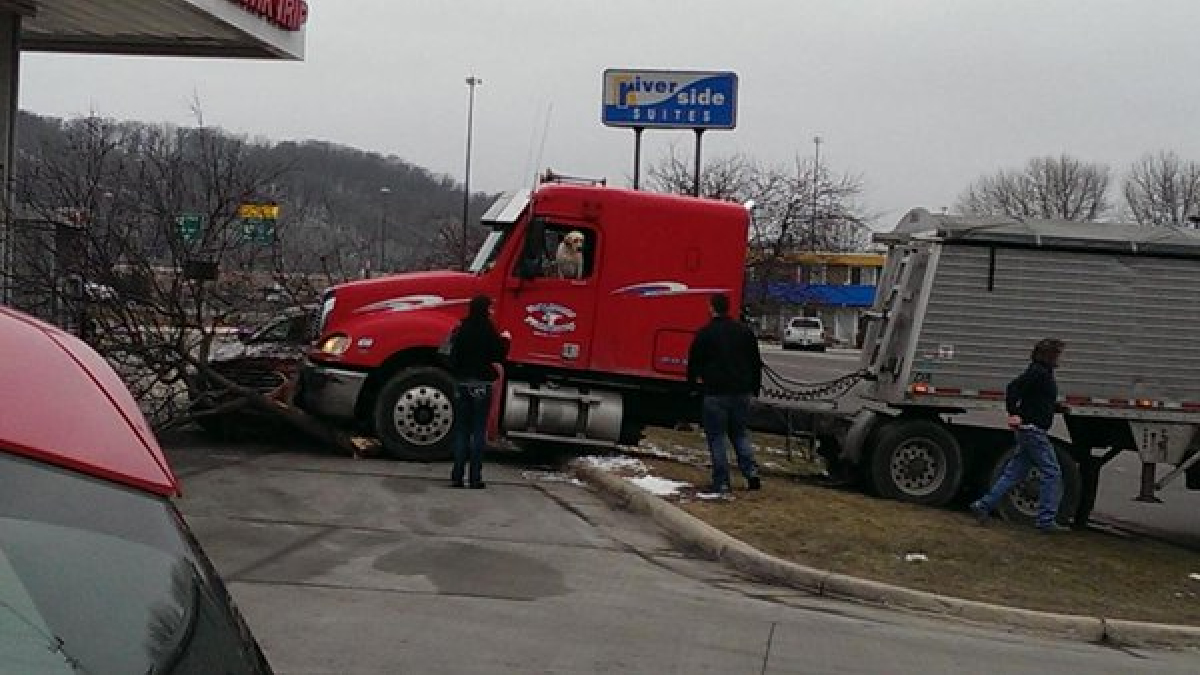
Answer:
(804, 332)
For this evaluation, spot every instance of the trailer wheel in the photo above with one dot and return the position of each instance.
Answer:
(1020, 504)
(916, 461)
(414, 415)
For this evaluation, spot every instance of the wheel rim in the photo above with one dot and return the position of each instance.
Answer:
(918, 467)
(1024, 496)
(423, 415)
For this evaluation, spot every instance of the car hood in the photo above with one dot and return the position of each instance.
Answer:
(63, 404)
(236, 351)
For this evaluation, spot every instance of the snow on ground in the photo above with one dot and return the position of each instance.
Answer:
(609, 463)
(663, 487)
(550, 477)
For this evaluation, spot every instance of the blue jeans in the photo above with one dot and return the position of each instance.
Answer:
(725, 414)
(472, 400)
(1033, 449)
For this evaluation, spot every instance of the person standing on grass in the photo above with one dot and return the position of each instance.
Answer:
(1031, 400)
(476, 348)
(725, 363)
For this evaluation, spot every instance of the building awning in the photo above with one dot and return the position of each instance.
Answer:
(266, 29)
(823, 295)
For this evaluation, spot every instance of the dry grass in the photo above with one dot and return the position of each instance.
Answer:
(1091, 573)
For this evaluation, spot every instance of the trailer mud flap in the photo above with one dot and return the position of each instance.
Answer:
(856, 435)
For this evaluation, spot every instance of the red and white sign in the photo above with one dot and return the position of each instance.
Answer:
(286, 14)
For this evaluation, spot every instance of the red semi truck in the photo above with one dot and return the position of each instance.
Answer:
(594, 358)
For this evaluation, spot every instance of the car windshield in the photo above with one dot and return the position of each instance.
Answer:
(97, 578)
(806, 323)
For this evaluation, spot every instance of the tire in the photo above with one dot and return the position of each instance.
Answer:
(414, 415)
(916, 461)
(1020, 504)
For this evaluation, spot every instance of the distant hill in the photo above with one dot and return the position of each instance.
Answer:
(339, 197)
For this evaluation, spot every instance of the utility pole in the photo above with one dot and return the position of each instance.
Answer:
(472, 82)
(812, 227)
(383, 193)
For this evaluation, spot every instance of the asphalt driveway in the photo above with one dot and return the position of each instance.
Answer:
(371, 566)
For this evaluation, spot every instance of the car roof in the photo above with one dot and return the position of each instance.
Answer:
(61, 403)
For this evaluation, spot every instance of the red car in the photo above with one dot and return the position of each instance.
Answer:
(99, 573)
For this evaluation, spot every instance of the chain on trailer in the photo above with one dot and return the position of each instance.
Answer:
(782, 388)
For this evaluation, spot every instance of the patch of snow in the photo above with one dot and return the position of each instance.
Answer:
(663, 487)
(916, 557)
(615, 463)
(551, 477)
(654, 451)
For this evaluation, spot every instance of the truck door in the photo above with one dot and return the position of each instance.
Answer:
(549, 297)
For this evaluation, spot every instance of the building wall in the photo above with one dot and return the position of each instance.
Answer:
(837, 287)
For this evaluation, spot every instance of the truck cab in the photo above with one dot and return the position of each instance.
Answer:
(599, 344)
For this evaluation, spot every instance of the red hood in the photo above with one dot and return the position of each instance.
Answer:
(411, 290)
(61, 403)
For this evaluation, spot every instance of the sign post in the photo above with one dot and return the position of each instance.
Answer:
(668, 99)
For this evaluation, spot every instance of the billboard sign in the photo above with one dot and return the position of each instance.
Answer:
(669, 99)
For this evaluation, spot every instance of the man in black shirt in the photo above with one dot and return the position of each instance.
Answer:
(725, 361)
(1031, 400)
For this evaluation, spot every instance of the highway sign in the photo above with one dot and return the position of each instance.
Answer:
(189, 226)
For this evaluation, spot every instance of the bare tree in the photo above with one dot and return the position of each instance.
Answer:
(135, 241)
(1163, 189)
(802, 208)
(728, 178)
(1061, 187)
(444, 250)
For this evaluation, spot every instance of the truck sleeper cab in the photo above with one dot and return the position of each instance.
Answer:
(594, 355)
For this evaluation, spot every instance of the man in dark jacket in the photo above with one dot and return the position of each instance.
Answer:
(1031, 400)
(725, 361)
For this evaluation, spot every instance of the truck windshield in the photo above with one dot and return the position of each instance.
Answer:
(502, 217)
(486, 257)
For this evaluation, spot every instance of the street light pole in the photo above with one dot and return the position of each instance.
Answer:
(383, 193)
(812, 230)
(472, 81)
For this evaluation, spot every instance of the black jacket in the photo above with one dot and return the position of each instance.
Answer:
(476, 346)
(724, 358)
(1033, 395)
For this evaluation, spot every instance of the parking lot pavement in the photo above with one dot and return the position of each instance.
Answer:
(371, 566)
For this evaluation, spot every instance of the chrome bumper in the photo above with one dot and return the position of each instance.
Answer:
(329, 392)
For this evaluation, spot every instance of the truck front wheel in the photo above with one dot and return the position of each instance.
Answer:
(414, 415)
(1021, 503)
(916, 461)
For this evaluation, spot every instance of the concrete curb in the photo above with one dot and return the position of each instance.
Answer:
(697, 535)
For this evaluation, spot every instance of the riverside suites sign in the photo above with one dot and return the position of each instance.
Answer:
(286, 14)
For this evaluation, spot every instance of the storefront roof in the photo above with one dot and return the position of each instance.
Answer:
(213, 28)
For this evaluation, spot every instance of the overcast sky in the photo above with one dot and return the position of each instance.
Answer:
(920, 97)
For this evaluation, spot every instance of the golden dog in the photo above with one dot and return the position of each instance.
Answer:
(568, 259)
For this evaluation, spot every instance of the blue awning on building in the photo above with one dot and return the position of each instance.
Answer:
(822, 294)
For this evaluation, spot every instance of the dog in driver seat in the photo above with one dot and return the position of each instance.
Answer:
(568, 259)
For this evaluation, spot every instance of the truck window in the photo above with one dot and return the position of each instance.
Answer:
(491, 247)
(563, 252)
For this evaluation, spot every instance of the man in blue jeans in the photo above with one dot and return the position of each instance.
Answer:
(1031, 400)
(725, 361)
